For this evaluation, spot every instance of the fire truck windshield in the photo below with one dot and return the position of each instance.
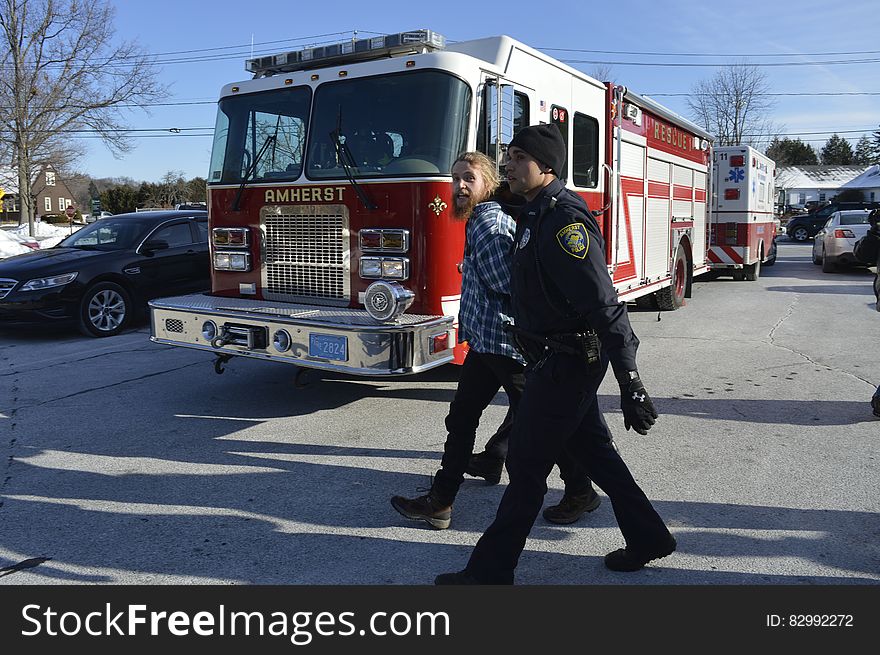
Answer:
(272, 124)
(412, 123)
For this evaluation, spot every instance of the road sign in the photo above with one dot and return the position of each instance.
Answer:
(96, 205)
(70, 211)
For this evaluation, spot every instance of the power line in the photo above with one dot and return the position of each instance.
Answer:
(721, 64)
(714, 54)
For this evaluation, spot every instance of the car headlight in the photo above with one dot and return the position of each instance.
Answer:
(40, 283)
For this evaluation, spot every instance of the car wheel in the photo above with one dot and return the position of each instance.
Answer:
(105, 310)
(828, 265)
(800, 234)
(672, 297)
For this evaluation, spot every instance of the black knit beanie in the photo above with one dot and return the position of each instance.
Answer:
(544, 143)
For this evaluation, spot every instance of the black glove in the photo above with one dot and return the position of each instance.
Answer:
(638, 410)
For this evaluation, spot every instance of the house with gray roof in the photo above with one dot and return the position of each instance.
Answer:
(818, 183)
(868, 183)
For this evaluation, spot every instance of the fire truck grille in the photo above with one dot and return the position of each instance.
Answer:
(307, 254)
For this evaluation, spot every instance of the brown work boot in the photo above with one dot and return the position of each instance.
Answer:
(424, 508)
(571, 507)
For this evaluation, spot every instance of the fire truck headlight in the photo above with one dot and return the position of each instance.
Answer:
(385, 301)
(209, 330)
(393, 268)
(281, 341)
(232, 261)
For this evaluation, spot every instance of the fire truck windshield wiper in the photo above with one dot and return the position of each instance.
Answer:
(270, 140)
(346, 160)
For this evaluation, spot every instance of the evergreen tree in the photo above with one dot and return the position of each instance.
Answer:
(792, 152)
(837, 151)
(866, 153)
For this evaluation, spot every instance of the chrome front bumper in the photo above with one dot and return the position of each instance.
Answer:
(373, 348)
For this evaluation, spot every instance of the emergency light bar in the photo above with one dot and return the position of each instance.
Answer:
(390, 45)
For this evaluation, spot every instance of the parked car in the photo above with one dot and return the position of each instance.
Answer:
(803, 227)
(91, 218)
(833, 245)
(101, 276)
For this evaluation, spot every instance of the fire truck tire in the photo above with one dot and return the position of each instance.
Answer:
(752, 272)
(648, 302)
(771, 258)
(672, 297)
(739, 275)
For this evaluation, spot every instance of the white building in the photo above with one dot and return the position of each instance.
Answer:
(868, 183)
(817, 183)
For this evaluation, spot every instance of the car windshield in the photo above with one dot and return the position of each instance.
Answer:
(854, 218)
(411, 123)
(108, 234)
(270, 125)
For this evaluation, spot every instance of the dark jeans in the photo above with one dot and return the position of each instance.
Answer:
(559, 412)
(482, 375)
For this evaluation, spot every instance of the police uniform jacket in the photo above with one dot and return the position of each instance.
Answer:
(563, 244)
(867, 249)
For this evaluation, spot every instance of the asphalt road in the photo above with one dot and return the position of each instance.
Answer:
(127, 462)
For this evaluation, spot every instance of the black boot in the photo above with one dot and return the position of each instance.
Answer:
(572, 507)
(486, 466)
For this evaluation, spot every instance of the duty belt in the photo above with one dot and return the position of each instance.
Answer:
(536, 347)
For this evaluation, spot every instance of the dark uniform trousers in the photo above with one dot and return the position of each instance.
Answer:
(482, 375)
(559, 412)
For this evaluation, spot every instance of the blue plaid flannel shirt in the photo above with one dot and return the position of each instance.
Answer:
(485, 283)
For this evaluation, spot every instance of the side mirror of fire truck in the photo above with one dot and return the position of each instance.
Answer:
(499, 116)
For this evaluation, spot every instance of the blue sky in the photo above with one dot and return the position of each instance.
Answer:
(207, 34)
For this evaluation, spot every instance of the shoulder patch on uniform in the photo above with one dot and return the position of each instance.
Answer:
(574, 240)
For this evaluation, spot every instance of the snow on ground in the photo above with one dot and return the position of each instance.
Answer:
(10, 247)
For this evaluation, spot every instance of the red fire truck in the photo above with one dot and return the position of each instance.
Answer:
(742, 226)
(332, 240)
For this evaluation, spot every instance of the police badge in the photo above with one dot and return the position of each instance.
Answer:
(574, 240)
(525, 238)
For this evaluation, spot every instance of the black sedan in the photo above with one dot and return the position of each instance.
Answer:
(102, 275)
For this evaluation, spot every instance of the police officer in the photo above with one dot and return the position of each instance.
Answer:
(562, 300)
(867, 249)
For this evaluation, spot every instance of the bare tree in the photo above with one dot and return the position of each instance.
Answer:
(734, 106)
(60, 74)
(602, 72)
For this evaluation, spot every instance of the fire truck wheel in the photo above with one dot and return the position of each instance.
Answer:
(648, 302)
(739, 275)
(672, 297)
(105, 310)
(771, 259)
(752, 272)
